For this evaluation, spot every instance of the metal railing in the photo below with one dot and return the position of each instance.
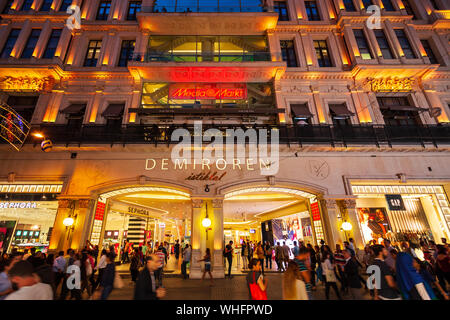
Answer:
(201, 57)
(376, 135)
(206, 9)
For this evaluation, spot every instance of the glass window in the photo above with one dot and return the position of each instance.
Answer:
(93, 53)
(52, 44)
(46, 5)
(64, 5)
(434, 4)
(367, 3)
(363, 45)
(31, 44)
(281, 8)
(339, 120)
(24, 105)
(126, 52)
(405, 44)
(9, 44)
(383, 44)
(288, 53)
(430, 53)
(103, 10)
(392, 114)
(133, 8)
(409, 9)
(322, 53)
(388, 6)
(7, 6)
(312, 10)
(26, 5)
(349, 5)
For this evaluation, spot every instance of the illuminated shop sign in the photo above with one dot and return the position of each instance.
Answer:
(391, 85)
(18, 205)
(395, 202)
(139, 211)
(208, 91)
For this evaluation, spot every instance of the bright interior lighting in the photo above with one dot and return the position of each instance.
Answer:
(206, 222)
(68, 222)
(38, 135)
(347, 226)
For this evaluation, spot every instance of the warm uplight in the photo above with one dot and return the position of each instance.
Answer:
(282, 117)
(346, 226)
(206, 223)
(35, 227)
(68, 222)
(133, 117)
(38, 135)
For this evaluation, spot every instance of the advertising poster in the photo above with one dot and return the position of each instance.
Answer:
(374, 223)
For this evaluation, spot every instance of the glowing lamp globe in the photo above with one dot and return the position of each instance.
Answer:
(68, 222)
(46, 146)
(206, 222)
(346, 226)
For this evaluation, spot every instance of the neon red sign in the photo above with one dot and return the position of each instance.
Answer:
(208, 91)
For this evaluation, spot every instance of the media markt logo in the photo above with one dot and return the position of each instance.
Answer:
(254, 149)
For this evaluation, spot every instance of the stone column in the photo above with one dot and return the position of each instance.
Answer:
(352, 215)
(80, 231)
(218, 269)
(63, 44)
(196, 238)
(21, 40)
(59, 238)
(5, 29)
(43, 40)
(333, 234)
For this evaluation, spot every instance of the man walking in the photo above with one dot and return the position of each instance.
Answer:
(186, 259)
(146, 288)
(286, 253)
(177, 249)
(387, 289)
(279, 257)
(228, 253)
(352, 279)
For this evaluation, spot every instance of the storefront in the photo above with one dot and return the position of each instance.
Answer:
(27, 215)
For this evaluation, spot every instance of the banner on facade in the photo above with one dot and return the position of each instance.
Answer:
(374, 223)
(211, 91)
(395, 202)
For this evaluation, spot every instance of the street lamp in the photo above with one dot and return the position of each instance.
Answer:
(68, 222)
(346, 226)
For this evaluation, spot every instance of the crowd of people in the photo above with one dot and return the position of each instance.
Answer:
(403, 271)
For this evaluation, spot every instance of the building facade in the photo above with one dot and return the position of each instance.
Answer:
(357, 90)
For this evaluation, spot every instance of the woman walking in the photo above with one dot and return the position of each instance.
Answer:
(107, 281)
(207, 260)
(294, 287)
(257, 284)
(134, 265)
(244, 255)
(329, 276)
(260, 255)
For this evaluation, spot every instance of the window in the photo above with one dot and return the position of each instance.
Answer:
(103, 10)
(52, 44)
(133, 8)
(46, 5)
(26, 5)
(7, 6)
(288, 53)
(281, 8)
(367, 3)
(405, 44)
(126, 52)
(312, 11)
(388, 6)
(397, 111)
(10, 42)
(363, 45)
(349, 5)
(93, 53)
(24, 105)
(383, 44)
(409, 9)
(64, 5)
(426, 45)
(322, 53)
(31, 44)
(340, 114)
(434, 5)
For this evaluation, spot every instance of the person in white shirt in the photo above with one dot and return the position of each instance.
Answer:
(28, 283)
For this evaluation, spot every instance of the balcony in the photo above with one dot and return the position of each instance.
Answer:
(355, 135)
(440, 18)
(214, 18)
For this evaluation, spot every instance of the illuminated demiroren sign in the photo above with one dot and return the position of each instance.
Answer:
(391, 85)
(208, 91)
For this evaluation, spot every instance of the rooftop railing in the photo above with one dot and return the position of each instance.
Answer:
(206, 9)
(202, 57)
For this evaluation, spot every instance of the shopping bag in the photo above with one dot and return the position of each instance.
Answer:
(118, 282)
(302, 294)
(330, 275)
(255, 290)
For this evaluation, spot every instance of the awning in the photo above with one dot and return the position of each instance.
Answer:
(403, 108)
(74, 108)
(301, 111)
(114, 110)
(341, 110)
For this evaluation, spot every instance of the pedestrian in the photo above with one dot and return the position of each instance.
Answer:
(207, 260)
(29, 288)
(430, 279)
(279, 257)
(387, 288)
(244, 255)
(443, 266)
(134, 265)
(260, 255)
(351, 276)
(101, 268)
(256, 283)
(177, 249)
(286, 254)
(159, 272)
(107, 280)
(5, 283)
(228, 254)
(186, 259)
(294, 287)
(389, 259)
(339, 260)
(70, 259)
(166, 247)
(329, 275)
(146, 288)
(302, 261)
(59, 266)
(295, 249)
(313, 260)
(268, 251)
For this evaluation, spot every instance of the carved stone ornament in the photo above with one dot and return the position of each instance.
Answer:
(349, 203)
(318, 169)
(27, 83)
(84, 203)
(329, 203)
(64, 204)
(217, 203)
(197, 203)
